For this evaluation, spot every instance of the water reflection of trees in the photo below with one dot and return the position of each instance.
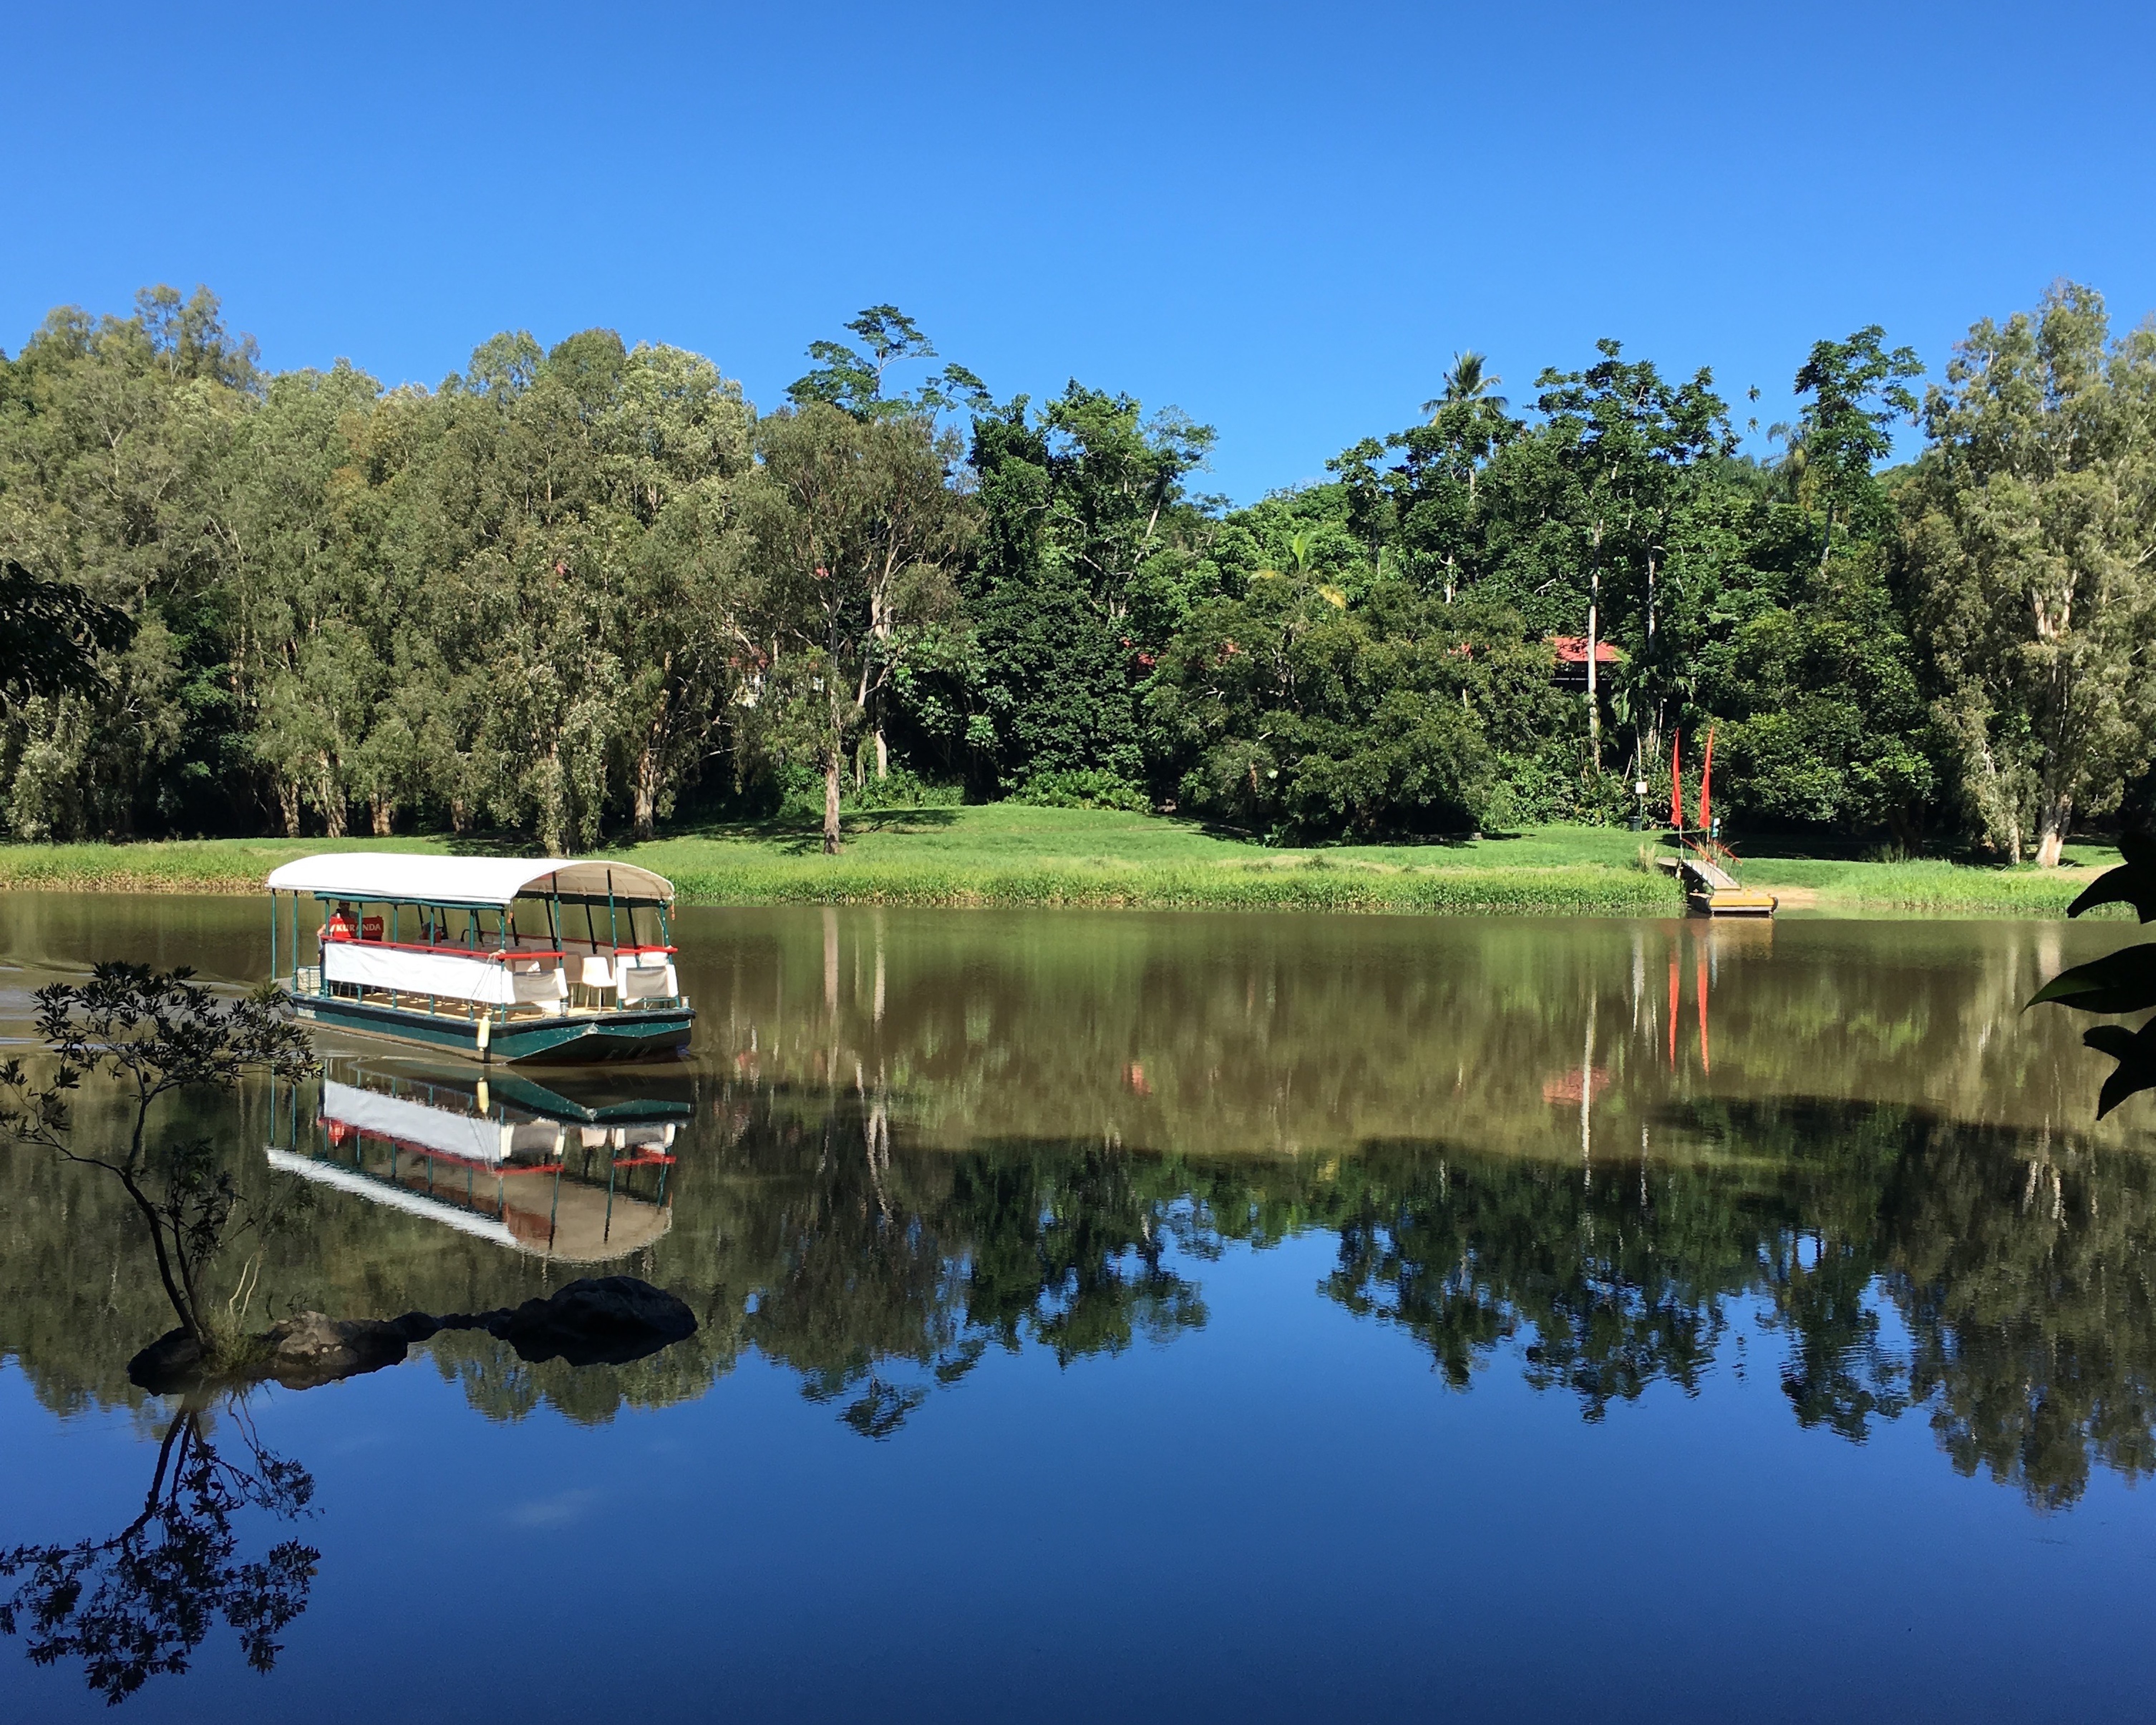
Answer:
(1997, 1281)
(138, 1604)
(879, 1278)
(1990, 1280)
(1993, 1279)
(1220, 1034)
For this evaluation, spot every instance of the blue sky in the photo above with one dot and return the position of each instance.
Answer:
(1283, 219)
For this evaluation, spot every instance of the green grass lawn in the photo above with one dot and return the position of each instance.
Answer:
(1011, 854)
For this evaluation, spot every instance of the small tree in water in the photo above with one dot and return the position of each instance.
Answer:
(156, 1033)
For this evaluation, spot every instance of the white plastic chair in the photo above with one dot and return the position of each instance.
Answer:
(595, 971)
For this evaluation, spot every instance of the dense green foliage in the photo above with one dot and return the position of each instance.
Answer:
(572, 594)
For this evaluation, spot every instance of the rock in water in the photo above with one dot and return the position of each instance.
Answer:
(169, 1364)
(311, 1349)
(607, 1320)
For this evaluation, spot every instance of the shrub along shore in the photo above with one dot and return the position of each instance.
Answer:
(1012, 855)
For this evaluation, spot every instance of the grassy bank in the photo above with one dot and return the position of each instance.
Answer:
(1009, 855)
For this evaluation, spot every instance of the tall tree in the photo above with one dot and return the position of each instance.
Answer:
(857, 531)
(113, 430)
(1858, 391)
(2032, 558)
(1084, 572)
(1620, 439)
(852, 378)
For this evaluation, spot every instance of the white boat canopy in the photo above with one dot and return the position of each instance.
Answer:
(400, 877)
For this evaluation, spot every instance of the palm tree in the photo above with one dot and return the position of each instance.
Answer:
(1467, 381)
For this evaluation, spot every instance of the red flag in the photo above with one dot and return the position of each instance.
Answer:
(1676, 780)
(1706, 777)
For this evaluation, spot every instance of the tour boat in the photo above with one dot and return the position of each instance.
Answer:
(503, 1160)
(500, 958)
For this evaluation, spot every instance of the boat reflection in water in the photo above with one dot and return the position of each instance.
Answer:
(575, 1179)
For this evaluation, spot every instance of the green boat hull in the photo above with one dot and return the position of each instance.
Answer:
(576, 1036)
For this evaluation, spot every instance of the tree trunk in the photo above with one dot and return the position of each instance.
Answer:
(460, 816)
(883, 755)
(190, 1320)
(1593, 680)
(288, 806)
(332, 801)
(831, 766)
(553, 812)
(646, 792)
(2052, 825)
(382, 811)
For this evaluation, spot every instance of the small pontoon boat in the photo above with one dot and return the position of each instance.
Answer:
(503, 958)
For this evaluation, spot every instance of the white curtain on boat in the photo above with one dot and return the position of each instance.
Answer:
(345, 1179)
(450, 976)
(474, 1137)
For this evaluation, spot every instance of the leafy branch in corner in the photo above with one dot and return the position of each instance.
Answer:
(2121, 982)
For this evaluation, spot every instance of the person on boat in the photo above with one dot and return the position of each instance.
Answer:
(341, 928)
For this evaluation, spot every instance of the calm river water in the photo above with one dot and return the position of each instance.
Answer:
(1189, 1316)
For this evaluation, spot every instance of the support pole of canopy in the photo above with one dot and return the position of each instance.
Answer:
(273, 943)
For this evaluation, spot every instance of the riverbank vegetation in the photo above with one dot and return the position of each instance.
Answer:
(588, 594)
(1017, 854)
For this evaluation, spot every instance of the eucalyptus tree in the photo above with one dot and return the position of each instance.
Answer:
(857, 531)
(2031, 548)
(112, 429)
(561, 528)
(305, 613)
(852, 379)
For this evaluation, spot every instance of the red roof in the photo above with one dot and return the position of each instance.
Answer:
(1571, 649)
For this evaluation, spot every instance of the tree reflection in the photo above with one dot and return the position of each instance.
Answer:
(1994, 1279)
(882, 1280)
(1988, 1279)
(137, 1605)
